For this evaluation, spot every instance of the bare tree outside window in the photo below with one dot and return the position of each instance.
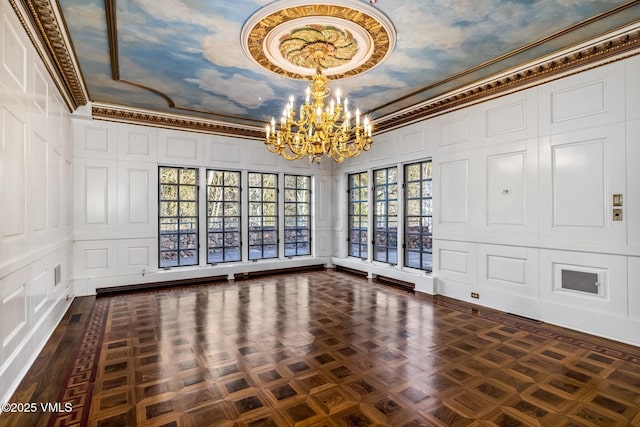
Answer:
(358, 214)
(385, 216)
(223, 216)
(178, 217)
(297, 215)
(263, 215)
(418, 216)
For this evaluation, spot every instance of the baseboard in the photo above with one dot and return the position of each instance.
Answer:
(204, 280)
(291, 270)
(159, 285)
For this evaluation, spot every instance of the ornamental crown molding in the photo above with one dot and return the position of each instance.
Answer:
(42, 23)
(45, 27)
(115, 113)
(604, 50)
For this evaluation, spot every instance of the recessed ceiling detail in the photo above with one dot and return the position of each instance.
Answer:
(318, 46)
(182, 58)
(293, 39)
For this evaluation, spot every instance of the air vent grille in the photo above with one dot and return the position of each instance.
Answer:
(580, 281)
(57, 275)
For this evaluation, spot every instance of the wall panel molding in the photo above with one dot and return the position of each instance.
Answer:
(13, 162)
(95, 190)
(456, 261)
(586, 100)
(579, 173)
(508, 269)
(612, 296)
(14, 70)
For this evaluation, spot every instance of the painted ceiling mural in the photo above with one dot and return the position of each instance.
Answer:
(187, 56)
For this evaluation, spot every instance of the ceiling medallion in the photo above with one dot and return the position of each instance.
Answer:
(318, 46)
(285, 37)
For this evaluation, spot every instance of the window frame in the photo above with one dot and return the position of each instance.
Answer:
(387, 235)
(178, 200)
(296, 203)
(422, 235)
(224, 217)
(262, 203)
(363, 249)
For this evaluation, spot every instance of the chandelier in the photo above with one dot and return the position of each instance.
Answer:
(320, 129)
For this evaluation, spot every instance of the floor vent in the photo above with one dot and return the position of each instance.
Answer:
(407, 286)
(160, 285)
(351, 271)
(290, 270)
(75, 318)
(526, 319)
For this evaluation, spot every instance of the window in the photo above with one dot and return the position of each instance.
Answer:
(223, 216)
(385, 217)
(263, 215)
(297, 215)
(418, 214)
(358, 214)
(178, 217)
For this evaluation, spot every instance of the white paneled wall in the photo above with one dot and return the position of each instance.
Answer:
(116, 201)
(35, 203)
(523, 191)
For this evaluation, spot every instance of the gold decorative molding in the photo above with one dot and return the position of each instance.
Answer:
(589, 57)
(47, 33)
(149, 118)
(318, 46)
(114, 61)
(259, 27)
(58, 54)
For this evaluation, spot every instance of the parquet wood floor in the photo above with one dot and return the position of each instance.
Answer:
(332, 349)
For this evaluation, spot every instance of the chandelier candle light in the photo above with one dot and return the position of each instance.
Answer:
(321, 129)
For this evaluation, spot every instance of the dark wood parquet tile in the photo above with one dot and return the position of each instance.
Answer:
(330, 349)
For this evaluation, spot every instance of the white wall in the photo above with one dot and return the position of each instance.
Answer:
(523, 188)
(35, 203)
(116, 208)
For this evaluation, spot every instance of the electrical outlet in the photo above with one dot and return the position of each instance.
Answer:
(617, 214)
(475, 295)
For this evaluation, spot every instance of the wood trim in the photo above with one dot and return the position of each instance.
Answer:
(292, 270)
(160, 285)
(390, 281)
(180, 283)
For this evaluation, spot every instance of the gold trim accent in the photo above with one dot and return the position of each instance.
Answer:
(112, 35)
(590, 57)
(122, 115)
(58, 57)
(593, 56)
(318, 46)
(381, 39)
(520, 50)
